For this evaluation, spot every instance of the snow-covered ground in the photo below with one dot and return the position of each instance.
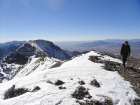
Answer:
(36, 65)
(7, 71)
(71, 72)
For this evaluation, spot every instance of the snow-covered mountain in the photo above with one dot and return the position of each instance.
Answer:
(16, 60)
(8, 47)
(38, 48)
(84, 80)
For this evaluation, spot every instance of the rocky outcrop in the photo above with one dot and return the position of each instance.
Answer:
(59, 82)
(62, 87)
(89, 102)
(36, 89)
(108, 101)
(95, 83)
(81, 82)
(12, 92)
(81, 93)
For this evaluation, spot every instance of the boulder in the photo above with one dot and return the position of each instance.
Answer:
(95, 83)
(59, 82)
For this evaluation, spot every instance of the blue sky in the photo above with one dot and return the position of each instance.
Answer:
(69, 20)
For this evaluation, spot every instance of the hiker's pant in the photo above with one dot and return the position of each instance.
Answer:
(124, 58)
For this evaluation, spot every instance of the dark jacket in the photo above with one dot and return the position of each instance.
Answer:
(125, 49)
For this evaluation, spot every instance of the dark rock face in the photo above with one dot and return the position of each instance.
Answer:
(12, 92)
(59, 82)
(21, 55)
(80, 93)
(8, 47)
(16, 58)
(95, 83)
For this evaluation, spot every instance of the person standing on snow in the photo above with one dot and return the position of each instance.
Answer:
(125, 52)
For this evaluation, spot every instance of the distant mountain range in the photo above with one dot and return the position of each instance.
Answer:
(109, 45)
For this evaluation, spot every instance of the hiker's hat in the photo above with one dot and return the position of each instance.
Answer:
(126, 42)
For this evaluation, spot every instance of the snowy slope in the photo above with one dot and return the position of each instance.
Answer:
(71, 72)
(7, 71)
(37, 64)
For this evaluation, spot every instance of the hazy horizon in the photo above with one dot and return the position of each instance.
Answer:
(69, 40)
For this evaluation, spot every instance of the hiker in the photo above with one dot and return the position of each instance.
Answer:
(125, 52)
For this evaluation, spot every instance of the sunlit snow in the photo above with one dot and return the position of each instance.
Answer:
(71, 72)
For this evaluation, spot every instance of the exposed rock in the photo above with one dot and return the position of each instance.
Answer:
(58, 64)
(9, 93)
(90, 102)
(95, 83)
(36, 89)
(20, 91)
(15, 57)
(71, 78)
(42, 55)
(112, 66)
(81, 82)
(80, 93)
(95, 59)
(136, 102)
(108, 101)
(12, 92)
(59, 82)
(48, 81)
(62, 87)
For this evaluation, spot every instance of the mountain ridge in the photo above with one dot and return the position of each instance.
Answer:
(85, 67)
(38, 48)
(16, 60)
